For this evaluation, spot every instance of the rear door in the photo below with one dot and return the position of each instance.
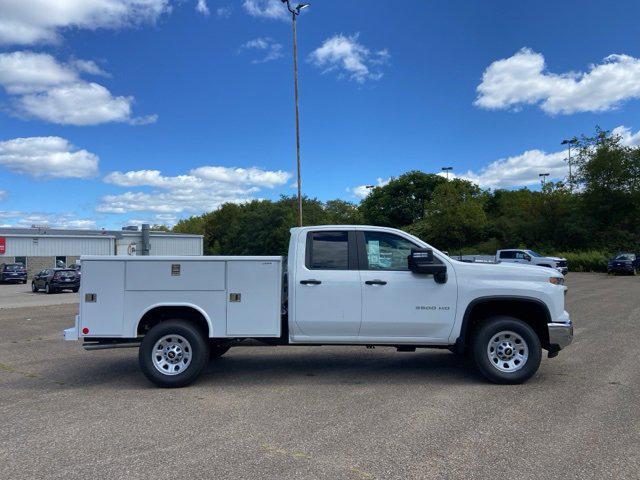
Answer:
(397, 303)
(327, 283)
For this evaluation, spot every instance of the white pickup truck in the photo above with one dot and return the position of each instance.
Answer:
(343, 285)
(529, 257)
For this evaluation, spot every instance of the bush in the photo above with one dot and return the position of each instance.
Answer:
(588, 261)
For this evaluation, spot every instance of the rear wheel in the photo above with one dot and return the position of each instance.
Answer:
(507, 350)
(48, 289)
(173, 354)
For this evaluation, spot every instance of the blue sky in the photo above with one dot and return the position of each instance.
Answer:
(122, 111)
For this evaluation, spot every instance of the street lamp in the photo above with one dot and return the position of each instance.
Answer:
(543, 178)
(447, 170)
(294, 15)
(570, 142)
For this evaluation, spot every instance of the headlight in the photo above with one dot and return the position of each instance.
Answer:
(556, 280)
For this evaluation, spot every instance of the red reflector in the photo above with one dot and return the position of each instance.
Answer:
(85, 330)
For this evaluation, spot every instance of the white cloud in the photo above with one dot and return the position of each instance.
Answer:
(46, 89)
(20, 219)
(271, 50)
(160, 219)
(202, 7)
(88, 66)
(523, 80)
(3, 195)
(363, 191)
(201, 189)
(273, 9)
(524, 169)
(223, 12)
(41, 21)
(348, 57)
(47, 157)
(629, 138)
(520, 170)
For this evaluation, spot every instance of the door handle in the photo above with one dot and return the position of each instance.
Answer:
(310, 282)
(375, 282)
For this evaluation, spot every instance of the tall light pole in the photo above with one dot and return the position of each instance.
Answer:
(447, 170)
(570, 142)
(294, 15)
(543, 178)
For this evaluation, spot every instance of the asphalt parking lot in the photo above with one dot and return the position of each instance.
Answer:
(326, 412)
(15, 295)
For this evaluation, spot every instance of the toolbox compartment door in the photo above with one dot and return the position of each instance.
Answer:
(253, 298)
(102, 298)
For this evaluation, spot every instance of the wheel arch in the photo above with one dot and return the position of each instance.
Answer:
(531, 310)
(160, 312)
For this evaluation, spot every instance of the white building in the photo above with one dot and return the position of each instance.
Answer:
(40, 248)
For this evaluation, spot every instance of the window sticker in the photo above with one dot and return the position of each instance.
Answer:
(373, 253)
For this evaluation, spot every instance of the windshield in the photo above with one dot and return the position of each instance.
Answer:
(533, 254)
(13, 268)
(625, 256)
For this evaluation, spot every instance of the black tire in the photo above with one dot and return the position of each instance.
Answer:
(34, 289)
(216, 351)
(75, 290)
(48, 289)
(487, 332)
(199, 353)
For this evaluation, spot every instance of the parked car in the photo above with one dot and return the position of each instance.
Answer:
(54, 280)
(529, 257)
(13, 272)
(349, 285)
(624, 263)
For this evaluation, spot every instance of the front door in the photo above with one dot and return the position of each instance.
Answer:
(397, 303)
(327, 282)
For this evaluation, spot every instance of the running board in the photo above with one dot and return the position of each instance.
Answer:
(106, 346)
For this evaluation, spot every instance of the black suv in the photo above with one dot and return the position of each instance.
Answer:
(624, 263)
(54, 280)
(13, 272)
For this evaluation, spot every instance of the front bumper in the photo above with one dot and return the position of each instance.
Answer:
(560, 336)
(620, 269)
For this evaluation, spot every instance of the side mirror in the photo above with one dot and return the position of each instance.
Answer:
(527, 258)
(421, 261)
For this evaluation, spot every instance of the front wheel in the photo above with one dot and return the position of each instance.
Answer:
(507, 350)
(34, 289)
(173, 354)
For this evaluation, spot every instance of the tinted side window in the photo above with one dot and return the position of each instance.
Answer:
(386, 251)
(328, 251)
(521, 255)
(507, 254)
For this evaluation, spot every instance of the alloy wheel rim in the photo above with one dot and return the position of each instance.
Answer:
(507, 351)
(171, 355)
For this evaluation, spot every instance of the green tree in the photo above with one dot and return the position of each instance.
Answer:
(454, 216)
(402, 201)
(339, 212)
(609, 175)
